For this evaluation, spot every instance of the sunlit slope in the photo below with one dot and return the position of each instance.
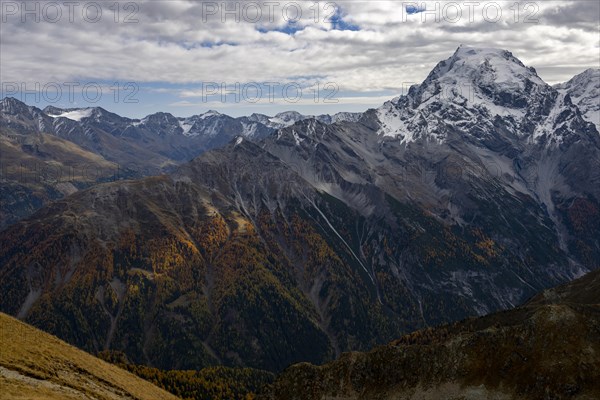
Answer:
(36, 365)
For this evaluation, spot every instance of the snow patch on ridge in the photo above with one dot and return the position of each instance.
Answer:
(391, 124)
(186, 125)
(75, 115)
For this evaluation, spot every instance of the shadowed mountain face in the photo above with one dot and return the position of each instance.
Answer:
(37, 168)
(323, 238)
(546, 348)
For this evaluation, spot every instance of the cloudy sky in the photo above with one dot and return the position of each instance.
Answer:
(186, 57)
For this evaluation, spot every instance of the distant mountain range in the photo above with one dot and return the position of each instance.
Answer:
(51, 153)
(470, 194)
(163, 137)
(73, 122)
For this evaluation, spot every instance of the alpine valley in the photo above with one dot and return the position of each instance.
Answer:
(265, 241)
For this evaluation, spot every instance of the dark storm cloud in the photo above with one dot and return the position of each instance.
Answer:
(579, 14)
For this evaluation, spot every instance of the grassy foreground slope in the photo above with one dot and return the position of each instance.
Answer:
(35, 365)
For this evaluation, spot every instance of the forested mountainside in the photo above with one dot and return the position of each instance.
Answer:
(546, 349)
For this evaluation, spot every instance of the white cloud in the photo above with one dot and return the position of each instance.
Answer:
(172, 42)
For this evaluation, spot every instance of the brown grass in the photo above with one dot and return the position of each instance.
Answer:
(36, 365)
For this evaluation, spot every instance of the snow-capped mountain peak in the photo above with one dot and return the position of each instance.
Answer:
(10, 105)
(210, 113)
(481, 77)
(262, 118)
(584, 90)
(472, 64)
(469, 92)
(286, 118)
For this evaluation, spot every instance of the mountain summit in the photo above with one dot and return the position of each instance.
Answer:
(484, 67)
(487, 92)
(584, 90)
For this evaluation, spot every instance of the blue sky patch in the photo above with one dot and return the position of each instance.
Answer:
(289, 29)
(338, 23)
(414, 9)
